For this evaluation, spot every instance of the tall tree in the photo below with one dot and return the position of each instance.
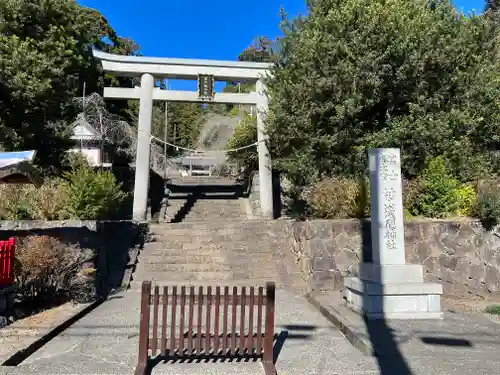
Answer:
(354, 74)
(262, 49)
(45, 58)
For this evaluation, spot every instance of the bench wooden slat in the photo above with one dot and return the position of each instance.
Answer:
(233, 320)
(208, 318)
(190, 321)
(173, 316)
(163, 347)
(258, 347)
(268, 344)
(217, 318)
(144, 325)
(225, 319)
(199, 325)
(182, 303)
(155, 319)
(242, 320)
(250, 321)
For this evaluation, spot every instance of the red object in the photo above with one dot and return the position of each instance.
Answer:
(7, 252)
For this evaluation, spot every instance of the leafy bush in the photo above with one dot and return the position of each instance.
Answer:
(487, 205)
(338, 198)
(92, 194)
(438, 196)
(466, 196)
(46, 270)
(493, 309)
(27, 202)
(13, 203)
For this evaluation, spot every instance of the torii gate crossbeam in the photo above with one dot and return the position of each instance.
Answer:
(149, 68)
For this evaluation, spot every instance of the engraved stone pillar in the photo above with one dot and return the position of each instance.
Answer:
(386, 201)
(388, 287)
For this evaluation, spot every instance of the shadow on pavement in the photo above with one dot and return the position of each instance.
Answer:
(225, 357)
(390, 359)
(446, 341)
(385, 348)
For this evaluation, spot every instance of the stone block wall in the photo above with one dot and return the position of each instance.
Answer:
(112, 241)
(461, 255)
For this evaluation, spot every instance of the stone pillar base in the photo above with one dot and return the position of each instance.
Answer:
(403, 300)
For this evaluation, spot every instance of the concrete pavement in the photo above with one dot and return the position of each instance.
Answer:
(105, 342)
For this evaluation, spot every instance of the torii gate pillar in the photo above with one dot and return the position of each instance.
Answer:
(265, 167)
(141, 184)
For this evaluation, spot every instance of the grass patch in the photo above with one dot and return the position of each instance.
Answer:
(493, 309)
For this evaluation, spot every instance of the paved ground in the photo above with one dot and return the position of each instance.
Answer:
(105, 342)
(461, 344)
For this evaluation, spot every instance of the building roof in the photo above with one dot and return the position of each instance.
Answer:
(16, 168)
(82, 130)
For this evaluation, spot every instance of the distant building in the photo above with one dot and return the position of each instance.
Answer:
(88, 142)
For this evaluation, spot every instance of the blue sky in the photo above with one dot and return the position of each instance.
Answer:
(215, 29)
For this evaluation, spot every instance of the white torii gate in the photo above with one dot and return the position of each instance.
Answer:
(149, 68)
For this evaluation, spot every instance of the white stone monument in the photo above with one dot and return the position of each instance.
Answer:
(388, 287)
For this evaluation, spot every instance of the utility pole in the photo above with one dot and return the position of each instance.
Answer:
(239, 92)
(165, 132)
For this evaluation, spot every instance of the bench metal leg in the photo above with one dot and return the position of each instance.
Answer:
(269, 367)
(141, 369)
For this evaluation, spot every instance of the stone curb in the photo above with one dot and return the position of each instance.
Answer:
(134, 256)
(22, 354)
(361, 343)
(129, 268)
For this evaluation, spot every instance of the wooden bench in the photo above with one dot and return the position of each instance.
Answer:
(197, 325)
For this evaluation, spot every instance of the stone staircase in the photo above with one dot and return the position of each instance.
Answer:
(215, 244)
(205, 199)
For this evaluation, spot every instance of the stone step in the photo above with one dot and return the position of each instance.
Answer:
(235, 248)
(202, 276)
(213, 226)
(188, 238)
(167, 258)
(203, 267)
(220, 223)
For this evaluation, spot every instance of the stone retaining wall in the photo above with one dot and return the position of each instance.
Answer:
(112, 241)
(461, 255)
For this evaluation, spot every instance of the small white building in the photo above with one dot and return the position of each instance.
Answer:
(88, 142)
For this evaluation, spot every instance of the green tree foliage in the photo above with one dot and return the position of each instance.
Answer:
(45, 57)
(91, 195)
(185, 121)
(487, 205)
(438, 197)
(244, 135)
(355, 74)
(262, 49)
